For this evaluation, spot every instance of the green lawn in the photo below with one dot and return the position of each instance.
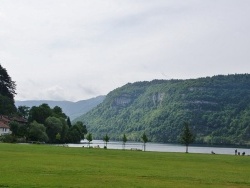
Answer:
(24, 165)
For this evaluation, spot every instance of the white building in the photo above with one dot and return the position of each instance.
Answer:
(4, 125)
(4, 129)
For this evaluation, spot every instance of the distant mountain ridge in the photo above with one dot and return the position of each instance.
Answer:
(218, 109)
(71, 109)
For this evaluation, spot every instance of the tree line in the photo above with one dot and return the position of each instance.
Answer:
(187, 137)
(45, 124)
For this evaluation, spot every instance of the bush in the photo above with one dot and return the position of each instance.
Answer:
(8, 138)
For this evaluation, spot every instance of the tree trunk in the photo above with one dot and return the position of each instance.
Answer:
(186, 148)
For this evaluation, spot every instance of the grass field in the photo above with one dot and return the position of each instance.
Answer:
(50, 166)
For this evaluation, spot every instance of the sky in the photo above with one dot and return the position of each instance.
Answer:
(78, 49)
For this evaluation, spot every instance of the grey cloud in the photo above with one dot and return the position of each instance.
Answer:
(79, 49)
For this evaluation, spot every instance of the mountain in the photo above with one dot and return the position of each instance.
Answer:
(71, 109)
(217, 108)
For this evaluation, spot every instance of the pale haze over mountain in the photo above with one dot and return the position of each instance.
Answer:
(71, 109)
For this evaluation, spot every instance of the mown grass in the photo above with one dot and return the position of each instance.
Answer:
(50, 166)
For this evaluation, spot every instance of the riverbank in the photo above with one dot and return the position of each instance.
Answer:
(159, 147)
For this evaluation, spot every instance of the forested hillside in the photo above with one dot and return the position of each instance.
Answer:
(218, 109)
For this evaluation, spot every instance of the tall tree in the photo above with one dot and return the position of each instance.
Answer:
(187, 137)
(106, 140)
(7, 86)
(145, 140)
(89, 138)
(7, 93)
(124, 140)
(69, 122)
(64, 132)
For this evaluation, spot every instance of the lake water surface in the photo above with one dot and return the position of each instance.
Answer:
(158, 147)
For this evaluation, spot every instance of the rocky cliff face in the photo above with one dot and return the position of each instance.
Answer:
(122, 100)
(158, 98)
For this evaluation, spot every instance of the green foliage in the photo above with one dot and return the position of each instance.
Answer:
(7, 93)
(89, 138)
(187, 137)
(106, 140)
(57, 127)
(8, 138)
(69, 122)
(65, 129)
(40, 113)
(7, 86)
(57, 112)
(37, 132)
(76, 132)
(7, 106)
(218, 108)
(17, 129)
(58, 137)
(53, 127)
(23, 111)
(144, 140)
(124, 140)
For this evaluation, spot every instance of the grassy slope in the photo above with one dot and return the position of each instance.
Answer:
(50, 166)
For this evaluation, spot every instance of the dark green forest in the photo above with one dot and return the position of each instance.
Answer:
(217, 108)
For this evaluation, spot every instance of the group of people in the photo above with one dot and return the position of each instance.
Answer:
(238, 153)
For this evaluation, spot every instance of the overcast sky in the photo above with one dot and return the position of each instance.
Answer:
(79, 49)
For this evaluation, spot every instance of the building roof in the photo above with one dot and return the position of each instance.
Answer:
(3, 125)
(4, 119)
(19, 119)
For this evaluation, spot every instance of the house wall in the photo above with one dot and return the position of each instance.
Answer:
(4, 131)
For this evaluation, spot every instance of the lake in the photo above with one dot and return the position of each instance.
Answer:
(158, 147)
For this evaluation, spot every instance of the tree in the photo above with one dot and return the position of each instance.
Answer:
(53, 127)
(187, 137)
(23, 111)
(40, 113)
(7, 93)
(37, 132)
(81, 128)
(145, 140)
(17, 129)
(64, 132)
(106, 140)
(68, 122)
(58, 137)
(76, 132)
(89, 138)
(124, 140)
(7, 86)
(7, 105)
(57, 112)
